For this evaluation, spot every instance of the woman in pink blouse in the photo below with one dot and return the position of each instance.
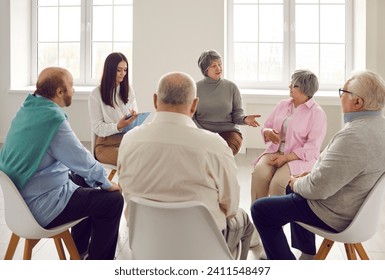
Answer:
(294, 132)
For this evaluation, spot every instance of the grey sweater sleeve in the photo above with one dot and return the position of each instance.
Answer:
(238, 114)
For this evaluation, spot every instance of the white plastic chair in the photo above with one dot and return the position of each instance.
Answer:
(175, 231)
(111, 167)
(21, 222)
(364, 225)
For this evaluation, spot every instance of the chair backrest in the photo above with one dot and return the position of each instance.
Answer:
(18, 217)
(368, 218)
(174, 231)
(366, 222)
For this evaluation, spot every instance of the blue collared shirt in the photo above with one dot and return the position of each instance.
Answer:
(348, 117)
(49, 189)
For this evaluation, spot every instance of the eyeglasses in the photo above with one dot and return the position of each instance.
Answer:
(342, 91)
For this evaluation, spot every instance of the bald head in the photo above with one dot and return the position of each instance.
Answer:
(50, 79)
(176, 93)
(56, 84)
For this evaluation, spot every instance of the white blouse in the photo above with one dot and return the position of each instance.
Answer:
(104, 118)
(284, 128)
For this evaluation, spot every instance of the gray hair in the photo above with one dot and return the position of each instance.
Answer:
(176, 88)
(306, 81)
(206, 59)
(370, 87)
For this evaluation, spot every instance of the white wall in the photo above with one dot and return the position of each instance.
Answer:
(375, 43)
(169, 35)
(4, 67)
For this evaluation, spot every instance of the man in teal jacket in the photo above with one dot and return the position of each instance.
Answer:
(41, 152)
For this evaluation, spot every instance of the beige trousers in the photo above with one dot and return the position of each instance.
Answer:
(106, 148)
(239, 228)
(268, 180)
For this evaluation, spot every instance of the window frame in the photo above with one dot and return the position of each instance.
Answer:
(86, 44)
(289, 56)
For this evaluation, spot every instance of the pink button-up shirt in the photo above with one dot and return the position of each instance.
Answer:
(304, 136)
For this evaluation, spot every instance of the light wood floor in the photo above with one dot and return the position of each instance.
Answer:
(45, 249)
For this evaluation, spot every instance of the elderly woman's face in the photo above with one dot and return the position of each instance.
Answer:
(294, 89)
(298, 96)
(215, 69)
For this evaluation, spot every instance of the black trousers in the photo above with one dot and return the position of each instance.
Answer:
(97, 234)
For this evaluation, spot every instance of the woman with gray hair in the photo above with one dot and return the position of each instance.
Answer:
(220, 103)
(294, 132)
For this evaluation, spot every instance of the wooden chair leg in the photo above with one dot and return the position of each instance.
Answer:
(59, 248)
(112, 174)
(324, 249)
(70, 244)
(12, 247)
(28, 246)
(361, 251)
(350, 251)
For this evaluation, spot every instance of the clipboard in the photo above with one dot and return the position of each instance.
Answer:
(137, 122)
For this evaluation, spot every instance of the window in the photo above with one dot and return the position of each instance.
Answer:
(269, 39)
(79, 34)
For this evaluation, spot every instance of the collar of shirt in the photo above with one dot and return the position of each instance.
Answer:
(310, 103)
(212, 81)
(348, 117)
(171, 117)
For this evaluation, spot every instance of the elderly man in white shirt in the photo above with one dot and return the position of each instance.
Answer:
(171, 159)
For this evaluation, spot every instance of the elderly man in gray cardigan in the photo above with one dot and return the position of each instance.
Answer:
(331, 194)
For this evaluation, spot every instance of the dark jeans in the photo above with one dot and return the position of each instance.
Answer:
(270, 214)
(97, 234)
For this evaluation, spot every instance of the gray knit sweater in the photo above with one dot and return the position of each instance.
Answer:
(347, 170)
(220, 106)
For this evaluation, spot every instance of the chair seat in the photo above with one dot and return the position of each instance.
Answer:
(21, 222)
(364, 225)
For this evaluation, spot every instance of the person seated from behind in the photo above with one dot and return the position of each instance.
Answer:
(39, 151)
(331, 194)
(109, 105)
(170, 159)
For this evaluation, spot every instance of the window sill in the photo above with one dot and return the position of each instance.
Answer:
(81, 92)
(327, 98)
